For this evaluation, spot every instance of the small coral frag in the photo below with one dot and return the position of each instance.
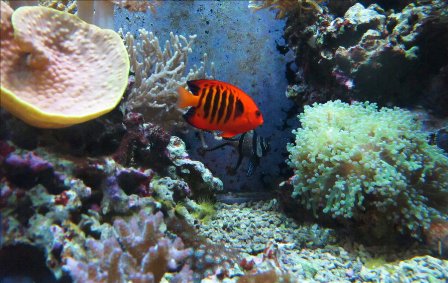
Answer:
(375, 166)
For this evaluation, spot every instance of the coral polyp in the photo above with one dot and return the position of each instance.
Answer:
(368, 164)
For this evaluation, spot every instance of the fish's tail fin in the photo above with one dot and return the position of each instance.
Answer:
(186, 98)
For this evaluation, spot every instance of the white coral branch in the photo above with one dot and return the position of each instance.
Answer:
(158, 72)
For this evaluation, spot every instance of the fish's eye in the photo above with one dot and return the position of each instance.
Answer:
(257, 113)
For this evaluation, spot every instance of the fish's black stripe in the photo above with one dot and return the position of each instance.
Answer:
(201, 98)
(223, 106)
(208, 102)
(254, 143)
(193, 86)
(229, 107)
(239, 108)
(216, 103)
(189, 115)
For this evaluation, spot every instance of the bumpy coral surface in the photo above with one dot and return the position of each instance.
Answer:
(57, 70)
(139, 253)
(251, 228)
(355, 161)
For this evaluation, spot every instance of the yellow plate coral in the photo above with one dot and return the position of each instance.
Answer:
(57, 70)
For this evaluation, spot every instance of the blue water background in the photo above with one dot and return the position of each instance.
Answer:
(242, 45)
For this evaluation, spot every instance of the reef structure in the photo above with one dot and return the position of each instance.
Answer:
(60, 204)
(357, 52)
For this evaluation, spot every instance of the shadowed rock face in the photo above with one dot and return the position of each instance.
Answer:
(387, 4)
(13, 259)
(392, 57)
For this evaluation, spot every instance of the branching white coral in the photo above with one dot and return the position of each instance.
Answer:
(158, 74)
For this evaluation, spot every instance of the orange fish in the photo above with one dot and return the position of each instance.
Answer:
(219, 106)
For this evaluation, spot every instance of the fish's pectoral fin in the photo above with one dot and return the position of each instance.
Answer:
(228, 134)
(186, 98)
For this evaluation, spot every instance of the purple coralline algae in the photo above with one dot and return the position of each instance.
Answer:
(28, 170)
(143, 143)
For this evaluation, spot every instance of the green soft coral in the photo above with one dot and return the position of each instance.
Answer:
(355, 161)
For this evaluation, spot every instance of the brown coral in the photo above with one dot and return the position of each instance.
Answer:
(61, 5)
(284, 7)
(437, 238)
(138, 5)
(101, 13)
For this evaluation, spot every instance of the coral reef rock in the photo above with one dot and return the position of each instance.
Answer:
(390, 57)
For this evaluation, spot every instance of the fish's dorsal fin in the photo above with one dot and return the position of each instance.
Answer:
(194, 86)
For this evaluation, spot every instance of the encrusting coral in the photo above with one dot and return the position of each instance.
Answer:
(57, 70)
(373, 166)
(158, 72)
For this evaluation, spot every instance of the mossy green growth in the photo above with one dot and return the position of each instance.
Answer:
(204, 211)
(373, 166)
(181, 209)
(377, 262)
